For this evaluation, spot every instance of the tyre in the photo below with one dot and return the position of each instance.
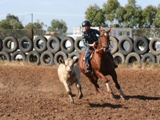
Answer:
(40, 44)
(119, 58)
(126, 45)
(58, 55)
(18, 55)
(113, 44)
(1, 45)
(132, 57)
(73, 55)
(141, 45)
(154, 46)
(5, 56)
(67, 44)
(46, 58)
(148, 57)
(79, 46)
(13, 44)
(33, 58)
(26, 44)
(53, 44)
(158, 60)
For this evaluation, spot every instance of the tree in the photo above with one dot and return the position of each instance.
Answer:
(148, 16)
(5, 24)
(14, 21)
(11, 22)
(109, 9)
(35, 25)
(120, 12)
(59, 27)
(99, 19)
(133, 15)
(95, 15)
(156, 21)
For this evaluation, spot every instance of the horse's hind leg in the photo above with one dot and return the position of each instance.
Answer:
(114, 77)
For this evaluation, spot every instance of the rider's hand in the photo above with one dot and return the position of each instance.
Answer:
(93, 45)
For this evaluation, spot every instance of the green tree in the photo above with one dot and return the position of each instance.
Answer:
(95, 15)
(148, 16)
(120, 12)
(156, 21)
(133, 15)
(109, 9)
(14, 21)
(5, 24)
(11, 22)
(35, 25)
(59, 27)
(99, 19)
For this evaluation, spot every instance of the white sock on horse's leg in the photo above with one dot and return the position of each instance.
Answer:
(108, 88)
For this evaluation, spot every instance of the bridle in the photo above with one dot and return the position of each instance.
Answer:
(104, 47)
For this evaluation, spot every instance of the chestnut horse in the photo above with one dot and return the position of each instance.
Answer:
(101, 64)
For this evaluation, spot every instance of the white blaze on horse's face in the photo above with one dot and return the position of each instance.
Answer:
(104, 43)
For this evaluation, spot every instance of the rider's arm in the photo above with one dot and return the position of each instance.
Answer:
(84, 39)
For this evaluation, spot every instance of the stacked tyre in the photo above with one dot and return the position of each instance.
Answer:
(41, 50)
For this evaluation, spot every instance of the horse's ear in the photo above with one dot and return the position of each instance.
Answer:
(108, 30)
(99, 28)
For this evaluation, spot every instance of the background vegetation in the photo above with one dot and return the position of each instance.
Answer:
(109, 14)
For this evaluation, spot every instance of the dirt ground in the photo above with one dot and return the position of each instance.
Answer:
(35, 93)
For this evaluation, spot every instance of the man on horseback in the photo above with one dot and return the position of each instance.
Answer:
(90, 37)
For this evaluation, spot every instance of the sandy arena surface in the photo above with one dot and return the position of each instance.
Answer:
(35, 93)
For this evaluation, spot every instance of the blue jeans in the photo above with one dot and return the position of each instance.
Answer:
(87, 56)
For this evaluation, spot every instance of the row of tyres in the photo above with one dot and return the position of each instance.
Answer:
(40, 50)
(141, 50)
(47, 51)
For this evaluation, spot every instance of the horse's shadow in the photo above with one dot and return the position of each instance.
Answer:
(142, 97)
(105, 105)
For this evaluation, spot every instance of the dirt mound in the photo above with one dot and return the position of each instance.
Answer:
(35, 93)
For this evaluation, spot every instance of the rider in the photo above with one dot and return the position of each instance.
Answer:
(90, 37)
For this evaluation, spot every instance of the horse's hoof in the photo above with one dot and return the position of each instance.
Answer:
(111, 97)
(73, 95)
(72, 102)
(123, 97)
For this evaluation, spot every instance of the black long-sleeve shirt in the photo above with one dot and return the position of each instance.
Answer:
(90, 36)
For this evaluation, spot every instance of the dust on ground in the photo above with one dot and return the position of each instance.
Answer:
(35, 93)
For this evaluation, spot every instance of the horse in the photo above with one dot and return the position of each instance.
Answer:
(101, 65)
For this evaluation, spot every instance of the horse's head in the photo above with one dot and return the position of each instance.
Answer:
(103, 41)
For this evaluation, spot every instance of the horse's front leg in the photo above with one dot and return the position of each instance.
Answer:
(93, 79)
(109, 90)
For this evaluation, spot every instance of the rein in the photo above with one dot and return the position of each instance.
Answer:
(102, 47)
